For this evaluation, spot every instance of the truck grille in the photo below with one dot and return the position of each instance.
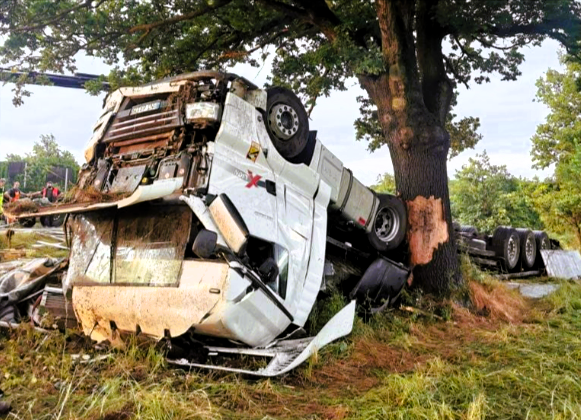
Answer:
(126, 126)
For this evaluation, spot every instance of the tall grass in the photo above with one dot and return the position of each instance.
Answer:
(399, 365)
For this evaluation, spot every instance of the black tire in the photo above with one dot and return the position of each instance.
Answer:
(528, 248)
(27, 222)
(57, 220)
(389, 224)
(543, 242)
(44, 221)
(287, 122)
(506, 246)
(469, 231)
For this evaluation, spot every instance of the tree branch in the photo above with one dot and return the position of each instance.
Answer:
(437, 89)
(180, 18)
(452, 69)
(38, 25)
(315, 12)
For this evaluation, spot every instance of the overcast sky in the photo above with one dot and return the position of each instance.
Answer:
(507, 112)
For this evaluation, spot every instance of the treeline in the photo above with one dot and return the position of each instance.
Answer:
(46, 155)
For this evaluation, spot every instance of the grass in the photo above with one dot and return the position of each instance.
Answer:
(25, 240)
(505, 357)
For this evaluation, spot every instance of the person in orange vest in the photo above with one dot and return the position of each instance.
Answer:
(51, 192)
(13, 193)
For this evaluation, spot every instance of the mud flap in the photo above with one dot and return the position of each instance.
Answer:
(380, 285)
(287, 354)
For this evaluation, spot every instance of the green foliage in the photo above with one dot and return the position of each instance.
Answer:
(317, 45)
(45, 154)
(556, 139)
(559, 199)
(484, 195)
(385, 184)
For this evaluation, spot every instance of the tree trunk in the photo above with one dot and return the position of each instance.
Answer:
(423, 183)
(419, 147)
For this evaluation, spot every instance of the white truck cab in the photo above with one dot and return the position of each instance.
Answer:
(205, 207)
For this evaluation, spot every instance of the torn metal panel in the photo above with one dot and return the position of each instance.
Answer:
(24, 282)
(153, 311)
(562, 264)
(127, 246)
(288, 354)
(127, 179)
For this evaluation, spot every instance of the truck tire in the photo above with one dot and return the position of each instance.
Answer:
(44, 221)
(506, 246)
(469, 231)
(543, 242)
(287, 123)
(528, 248)
(57, 220)
(27, 222)
(389, 225)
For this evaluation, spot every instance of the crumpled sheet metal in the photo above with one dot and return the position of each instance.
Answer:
(151, 310)
(287, 354)
(22, 282)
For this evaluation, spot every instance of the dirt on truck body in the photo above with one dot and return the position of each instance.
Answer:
(207, 207)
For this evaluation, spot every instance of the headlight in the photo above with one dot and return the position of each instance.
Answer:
(203, 112)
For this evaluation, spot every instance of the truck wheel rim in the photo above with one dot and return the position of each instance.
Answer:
(511, 249)
(529, 249)
(283, 121)
(386, 224)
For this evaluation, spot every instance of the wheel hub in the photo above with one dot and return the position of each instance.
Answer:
(386, 225)
(529, 249)
(511, 249)
(283, 121)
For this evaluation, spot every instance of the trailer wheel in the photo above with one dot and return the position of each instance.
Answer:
(528, 248)
(287, 123)
(390, 223)
(543, 242)
(506, 245)
(27, 222)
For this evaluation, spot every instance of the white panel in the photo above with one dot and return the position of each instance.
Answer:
(314, 277)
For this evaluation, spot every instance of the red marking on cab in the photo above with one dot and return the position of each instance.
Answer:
(253, 180)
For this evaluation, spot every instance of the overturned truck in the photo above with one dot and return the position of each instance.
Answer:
(208, 208)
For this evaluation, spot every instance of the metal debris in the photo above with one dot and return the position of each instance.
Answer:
(287, 354)
(562, 264)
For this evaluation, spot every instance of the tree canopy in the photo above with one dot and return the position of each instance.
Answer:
(408, 55)
(317, 44)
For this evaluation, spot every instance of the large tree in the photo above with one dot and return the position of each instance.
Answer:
(408, 55)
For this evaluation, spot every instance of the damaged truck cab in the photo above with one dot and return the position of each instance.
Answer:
(205, 206)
